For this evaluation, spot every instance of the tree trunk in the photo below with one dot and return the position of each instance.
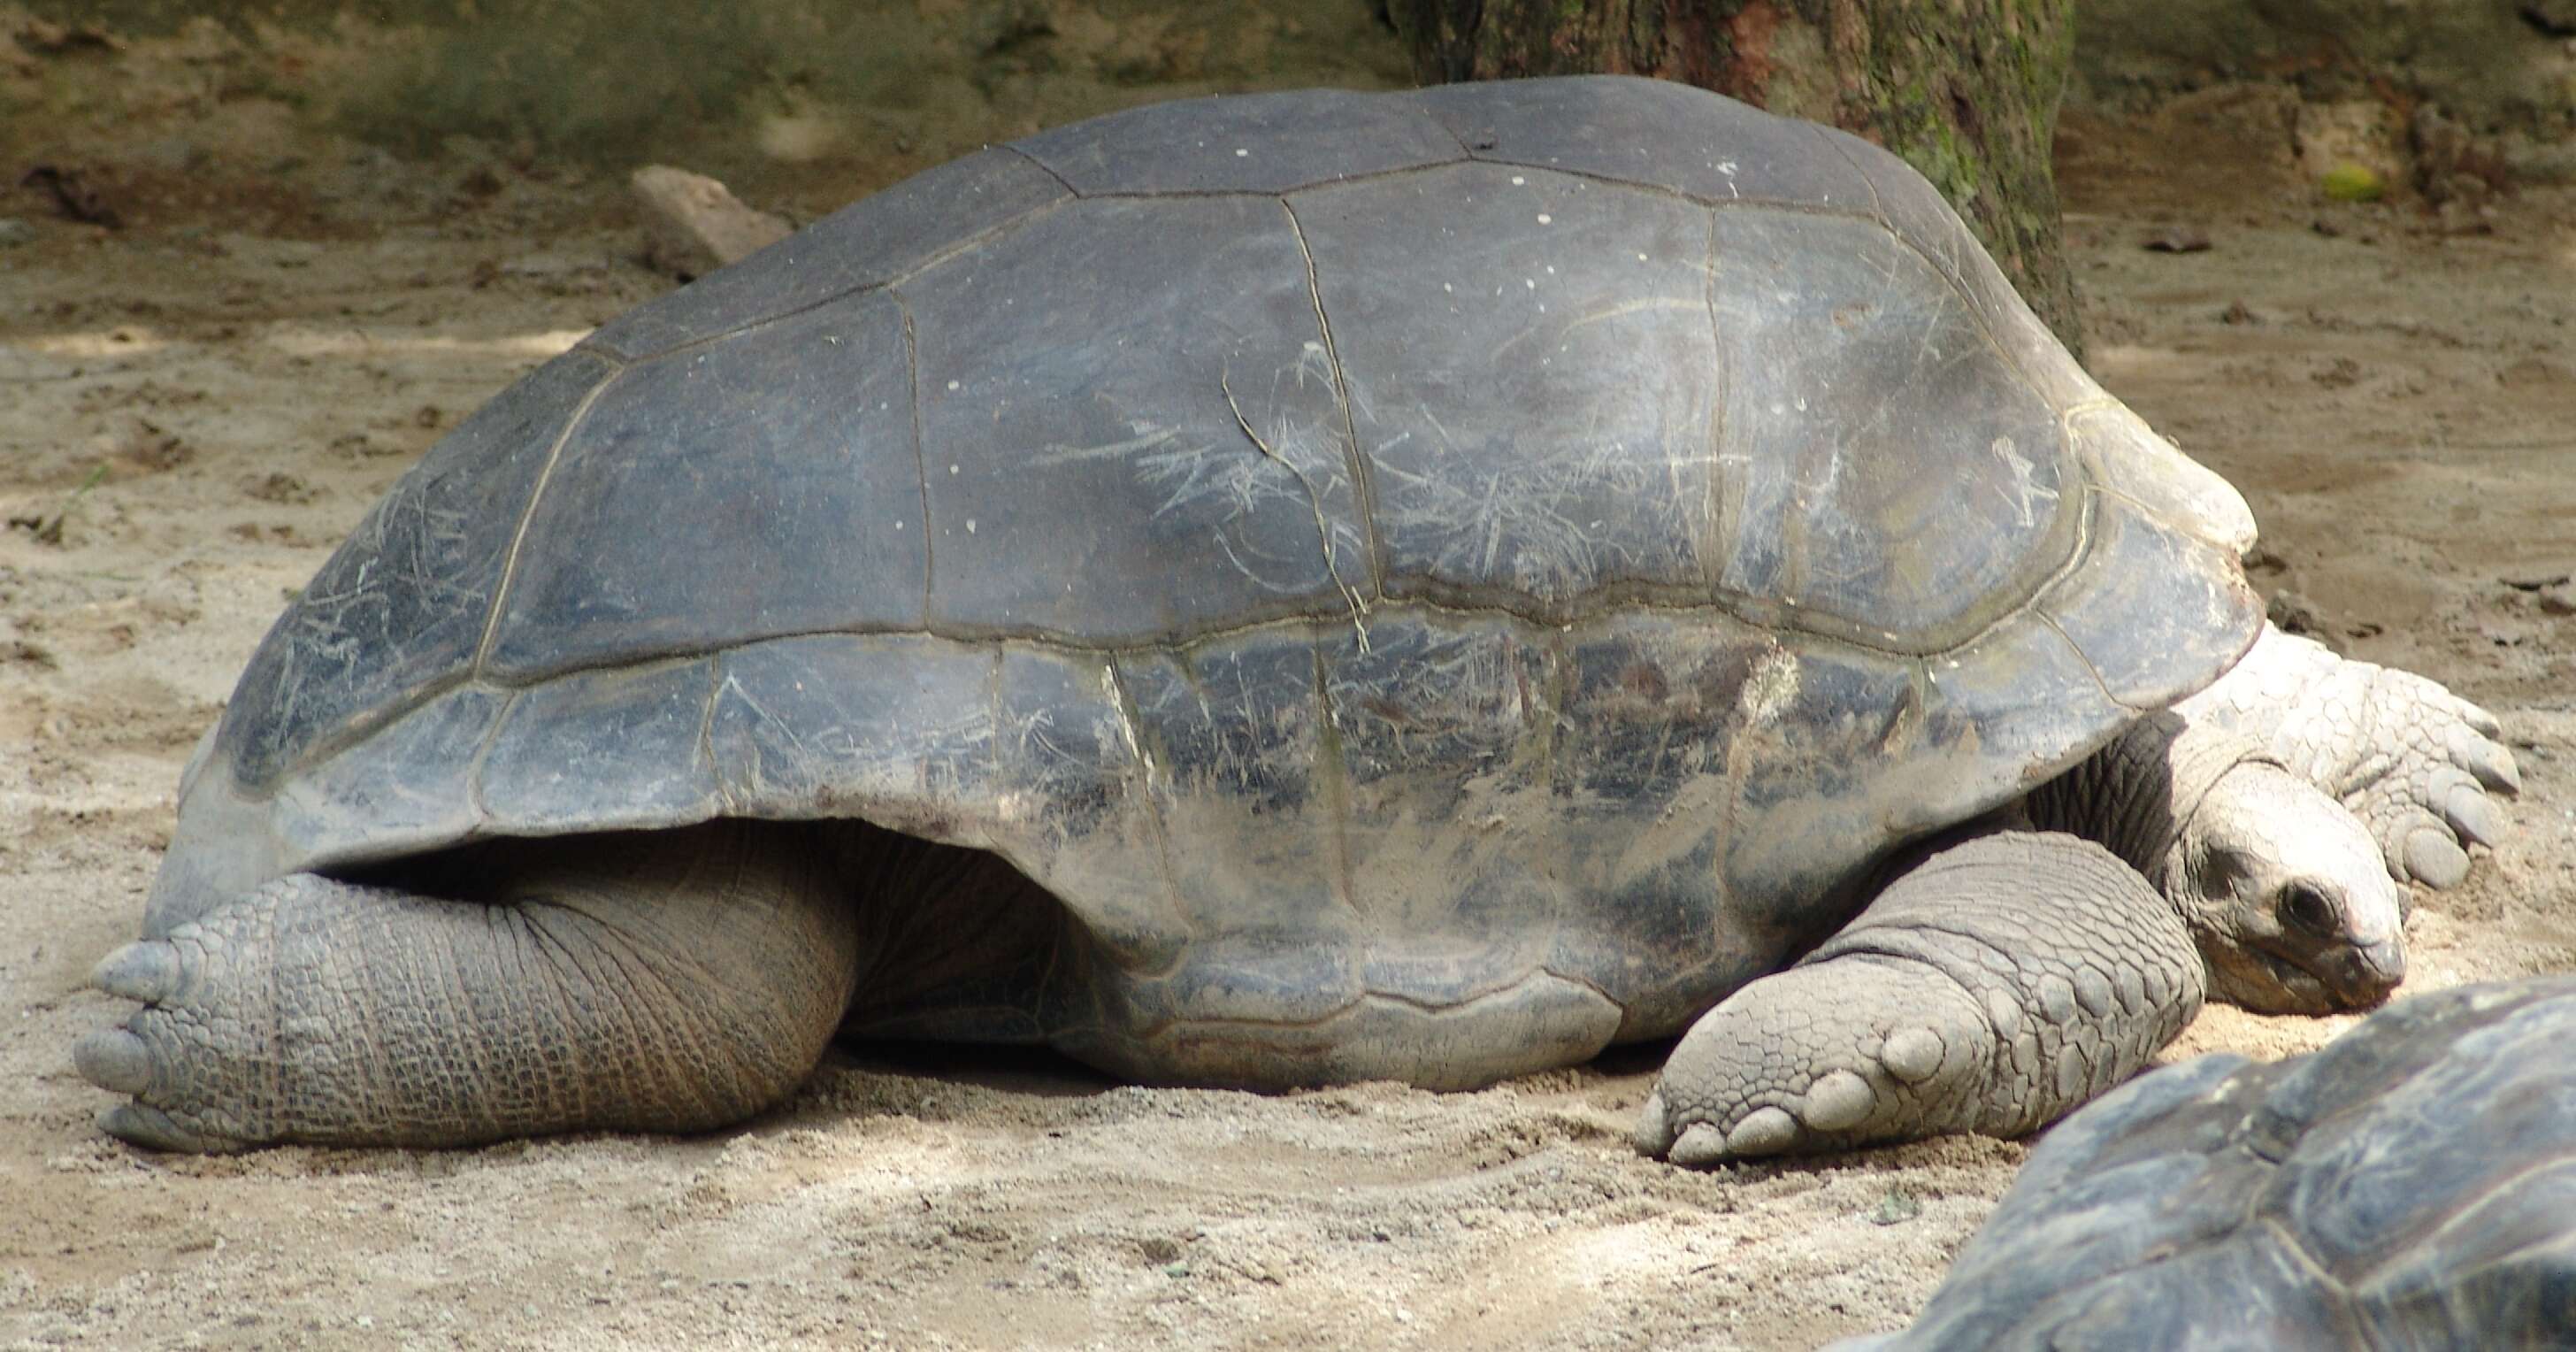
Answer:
(1965, 90)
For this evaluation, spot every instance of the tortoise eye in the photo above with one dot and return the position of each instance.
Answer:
(2304, 905)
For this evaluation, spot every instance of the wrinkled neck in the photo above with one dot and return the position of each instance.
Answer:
(2136, 796)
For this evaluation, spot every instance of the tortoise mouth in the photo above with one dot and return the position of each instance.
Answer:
(2336, 981)
(2294, 989)
(2267, 981)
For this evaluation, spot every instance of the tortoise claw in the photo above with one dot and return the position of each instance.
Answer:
(2472, 814)
(114, 1060)
(142, 1125)
(2434, 859)
(147, 971)
(1699, 1146)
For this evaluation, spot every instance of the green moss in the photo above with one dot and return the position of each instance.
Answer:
(2353, 183)
(1969, 99)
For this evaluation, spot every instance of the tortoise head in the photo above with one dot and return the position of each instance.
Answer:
(2287, 895)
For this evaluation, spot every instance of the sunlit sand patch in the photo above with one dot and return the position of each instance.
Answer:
(127, 340)
(352, 342)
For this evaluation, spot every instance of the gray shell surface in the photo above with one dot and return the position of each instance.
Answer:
(2412, 1185)
(1547, 531)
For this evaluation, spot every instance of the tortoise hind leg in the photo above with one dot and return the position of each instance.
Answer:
(1992, 988)
(675, 981)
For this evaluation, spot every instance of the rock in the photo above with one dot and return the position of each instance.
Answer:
(14, 232)
(693, 225)
(2292, 613)
(76, 193)
(2450, 166)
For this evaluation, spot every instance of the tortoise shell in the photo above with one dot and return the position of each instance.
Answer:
(1544, 537)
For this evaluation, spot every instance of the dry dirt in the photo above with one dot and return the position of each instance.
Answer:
(207, 398)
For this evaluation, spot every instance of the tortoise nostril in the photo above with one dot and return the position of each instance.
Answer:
(2383, 964)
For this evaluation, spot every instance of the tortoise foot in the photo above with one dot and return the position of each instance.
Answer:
(1817, 1058)
(195, 1059)
(157, 1053)
(1994, 987)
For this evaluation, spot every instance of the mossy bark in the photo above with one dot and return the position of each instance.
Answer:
(1965, 90)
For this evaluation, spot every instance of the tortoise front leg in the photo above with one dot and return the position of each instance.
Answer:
(675, 981)
(1992, 988)
(2419, 765)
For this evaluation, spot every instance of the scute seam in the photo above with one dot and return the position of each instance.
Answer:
(707, 730)
(1720, 541)
(1613, 603)
(928, 261)
(482, 753)
(1367, 995)
(1332, 772)
(1663, 190)
(920, 455)
(1145, 758)
(1976, 317)
(1049, 170)
(1363, 483)
(2087, 659)
(1314, 500)
(528, 514)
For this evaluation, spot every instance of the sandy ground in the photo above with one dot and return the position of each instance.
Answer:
(207, 398)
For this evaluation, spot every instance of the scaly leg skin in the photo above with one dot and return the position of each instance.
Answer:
(2415, 762)
(675, 981)
(1993, 988)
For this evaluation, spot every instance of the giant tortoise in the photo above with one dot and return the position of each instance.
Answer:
(1280, 590)
(2412, 1186)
